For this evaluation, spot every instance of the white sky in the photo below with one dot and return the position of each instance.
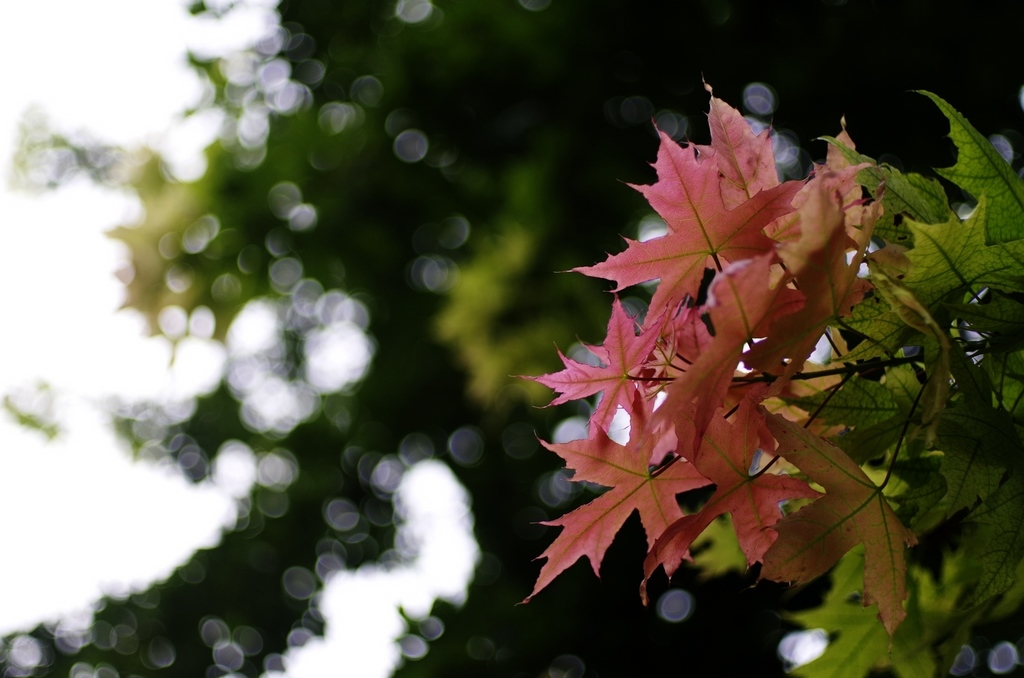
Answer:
(67, 505)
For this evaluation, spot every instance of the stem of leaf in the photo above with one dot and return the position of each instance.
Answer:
(848, 368)
(661, 469)
(903, 434)
(831, 392)
(630, 376)
(1002, 381)
(833, 344)
(846, 327)
(1016, 401)
(766, 467)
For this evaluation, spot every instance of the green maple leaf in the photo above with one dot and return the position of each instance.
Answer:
(981, 171)
(910, 195)
(858, 642)
(970, 471)
(998, 541)
(1002, 318)
(917, 486)
(872, 442)
(978, 441)
(859, 403)
(915, 314)
(869, 412)
(717, 550)
(864, 443)
(953, 257)
(880, 329)
(984, 459)
(1006, 373)
(913, 195)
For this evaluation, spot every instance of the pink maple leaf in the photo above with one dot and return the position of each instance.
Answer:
(742, 305)
(817, 260)
(590, 529)
(623, 354)
(725, 457)
(702, 232)
(745, 160)
(853, 511)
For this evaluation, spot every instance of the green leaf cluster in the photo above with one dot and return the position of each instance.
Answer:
(931, 400)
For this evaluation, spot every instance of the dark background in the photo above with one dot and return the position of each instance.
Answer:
(544, 116)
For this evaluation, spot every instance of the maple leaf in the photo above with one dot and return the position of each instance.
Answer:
(952, 256)
(623, 353)
(996, 540)
(1006, 375)
(590, 529)
(980, 449)
(860, 403)
(852, 511)
(741, 305)
(716, 551)
(702, 232)
(918, 197)
(936, 390)
(726, 211)
(1002, 318)
(883, 331)
(865, 406)
(818, 261)
(686, 336)
(981, 170)
(917, 486)
(726, 457)
(745, 160)
(858, 643)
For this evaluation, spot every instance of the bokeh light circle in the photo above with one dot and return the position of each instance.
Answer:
(675, 605)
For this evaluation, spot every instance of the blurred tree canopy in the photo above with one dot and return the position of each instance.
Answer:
(438, 165)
